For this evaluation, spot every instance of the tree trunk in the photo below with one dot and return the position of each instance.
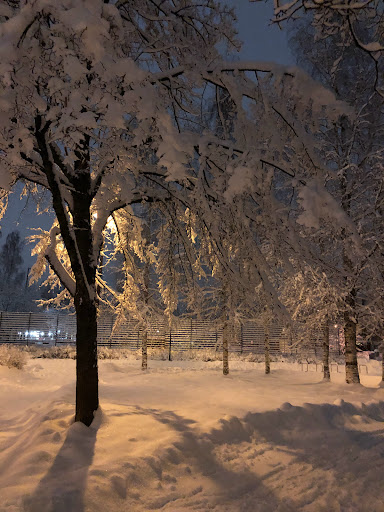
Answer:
(351, 366)
(326, 372)
(382, 363)
(146, 233)
(225, 348)
(266, 350)
(77, 235)
(144, 349)
(85, 299)
(87, 394)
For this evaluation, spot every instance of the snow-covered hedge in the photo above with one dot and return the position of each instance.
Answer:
(159, 354)
(69, 352)
(12, 357)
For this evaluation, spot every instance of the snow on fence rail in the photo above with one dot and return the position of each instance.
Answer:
(52, 329)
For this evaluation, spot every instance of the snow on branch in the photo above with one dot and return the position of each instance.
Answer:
(51, 256)
(49, 248)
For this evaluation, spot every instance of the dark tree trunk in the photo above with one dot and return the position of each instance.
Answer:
(326, 372)
(87, 394)
(382, 364)
(266, 350)
(144, 349)
(146, 233)
(351, 366)
(225, 347)
(75, 228)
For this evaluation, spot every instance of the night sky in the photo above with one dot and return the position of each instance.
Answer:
(261, 41)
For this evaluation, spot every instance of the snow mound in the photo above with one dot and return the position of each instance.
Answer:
(190, 441)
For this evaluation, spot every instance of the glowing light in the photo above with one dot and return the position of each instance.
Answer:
(111, 224)
(33, 334)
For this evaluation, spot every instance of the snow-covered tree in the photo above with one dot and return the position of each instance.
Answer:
(313, 304)
(353, 147)
(103, 104)
(358, 24)
(86, 94)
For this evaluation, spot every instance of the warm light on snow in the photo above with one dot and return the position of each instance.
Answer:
(180, 437)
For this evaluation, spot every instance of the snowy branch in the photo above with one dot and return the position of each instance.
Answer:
(50, 254)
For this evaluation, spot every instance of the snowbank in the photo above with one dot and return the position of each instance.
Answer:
(183, 437)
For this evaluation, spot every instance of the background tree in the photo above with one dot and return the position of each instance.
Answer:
(313, 304)
(354, 148)
(12, 274)
(358, 24)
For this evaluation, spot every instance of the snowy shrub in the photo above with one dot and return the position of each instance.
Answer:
(69, 352)
(205, 355)
(159, 354)
(13, 357)
(162, 354)
(117, 353)
(62, 352)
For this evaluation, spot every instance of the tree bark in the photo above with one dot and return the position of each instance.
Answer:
(225, 347)
(146, 233)
(144, 349)
(87, 394)
(75, 228)
(382, 363)
(351, 366)
(266, 350)
(326, 372)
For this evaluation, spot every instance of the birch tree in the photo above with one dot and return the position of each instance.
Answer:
(355, 148)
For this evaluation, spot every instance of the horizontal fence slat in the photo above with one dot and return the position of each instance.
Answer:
(55, 329)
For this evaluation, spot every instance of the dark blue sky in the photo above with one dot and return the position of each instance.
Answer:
(261, 41)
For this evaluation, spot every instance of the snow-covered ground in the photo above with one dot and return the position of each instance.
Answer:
(182, 437)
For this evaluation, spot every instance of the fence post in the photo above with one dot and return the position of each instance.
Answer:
(57, 328)
(1, 319)
(191, 336)
(170, 345)
(29, 327)
(110, 336)
(241, 338)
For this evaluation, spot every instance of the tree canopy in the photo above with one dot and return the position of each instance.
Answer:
(109, 107)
